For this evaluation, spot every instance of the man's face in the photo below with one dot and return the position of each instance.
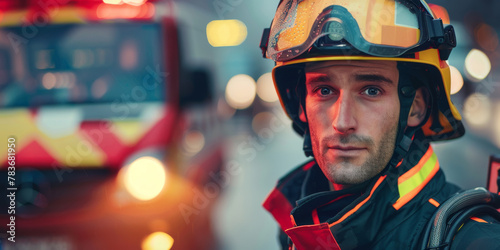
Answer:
(352, 109)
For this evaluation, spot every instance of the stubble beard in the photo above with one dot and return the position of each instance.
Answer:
(347, 173)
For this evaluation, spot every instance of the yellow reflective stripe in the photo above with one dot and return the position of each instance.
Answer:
(67, 15)
(418, 178)
(74, 150)
(129, 132)
(12, 18)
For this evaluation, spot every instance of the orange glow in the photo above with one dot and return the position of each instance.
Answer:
(125, 11)
(440, 12)
(486, 37)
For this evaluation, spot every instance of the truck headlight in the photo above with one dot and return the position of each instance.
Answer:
(158, 241)
(144, 178)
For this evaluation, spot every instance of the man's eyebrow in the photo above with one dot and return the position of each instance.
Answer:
(373, 78)
(316, 77)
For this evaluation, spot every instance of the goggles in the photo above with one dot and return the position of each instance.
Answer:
(384, 28)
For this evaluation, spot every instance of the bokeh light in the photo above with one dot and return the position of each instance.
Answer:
(457, 81)
(261, 121)
(112, 1)
(193, 142)
(496, 125)
(477, 65)
(135, 2)
(486, 37)
(145, 178)
(125, 11)
(222, 33)
(265, 88)
(477, 109)
(58, 80)
(224, 110)
(158, 241)
(240, 91)
(99, 87)
(49, 80)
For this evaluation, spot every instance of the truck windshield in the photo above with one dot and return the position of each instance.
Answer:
(81, 64)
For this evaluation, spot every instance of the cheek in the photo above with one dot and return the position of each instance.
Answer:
(317, 116)
(379, 117)
(386, 121)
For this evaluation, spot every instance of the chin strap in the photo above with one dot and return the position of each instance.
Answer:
(307, 147)
(404, 138)
(408, 83)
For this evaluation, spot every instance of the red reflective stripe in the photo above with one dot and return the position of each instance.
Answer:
(400, 162)
(434, 202)
(315, 216)
(478, 219)
(308, 165)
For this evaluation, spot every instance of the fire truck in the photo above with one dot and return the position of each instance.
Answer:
(110, 140)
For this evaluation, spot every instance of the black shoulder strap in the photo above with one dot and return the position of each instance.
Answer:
(449, 217)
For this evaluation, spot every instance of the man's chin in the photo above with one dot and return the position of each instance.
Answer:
(347, 174)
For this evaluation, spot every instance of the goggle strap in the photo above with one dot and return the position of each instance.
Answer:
(442, 38)
(264, 41)
(450, 42)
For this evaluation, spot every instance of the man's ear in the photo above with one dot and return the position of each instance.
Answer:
(302, 114)
(418, 108)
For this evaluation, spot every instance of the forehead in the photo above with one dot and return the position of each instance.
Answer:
(382, 66)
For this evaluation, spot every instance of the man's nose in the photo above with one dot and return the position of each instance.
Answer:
(343, 112)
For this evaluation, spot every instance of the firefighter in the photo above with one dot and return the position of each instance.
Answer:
(366, 83)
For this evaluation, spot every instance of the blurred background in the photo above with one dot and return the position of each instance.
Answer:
(143, 124)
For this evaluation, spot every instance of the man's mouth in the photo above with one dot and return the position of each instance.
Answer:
(346, 148)
(346, 151)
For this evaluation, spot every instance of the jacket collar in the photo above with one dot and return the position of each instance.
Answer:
(297, 197)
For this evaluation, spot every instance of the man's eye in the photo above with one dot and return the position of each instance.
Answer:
(325, 91)
(372, 91)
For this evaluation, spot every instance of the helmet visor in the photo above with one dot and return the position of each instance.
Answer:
(376, 27)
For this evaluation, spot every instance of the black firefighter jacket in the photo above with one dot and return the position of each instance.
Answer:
(388, 212)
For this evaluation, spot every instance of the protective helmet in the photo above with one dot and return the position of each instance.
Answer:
(405, 31)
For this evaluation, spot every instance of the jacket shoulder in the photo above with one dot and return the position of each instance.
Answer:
(478, 233)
